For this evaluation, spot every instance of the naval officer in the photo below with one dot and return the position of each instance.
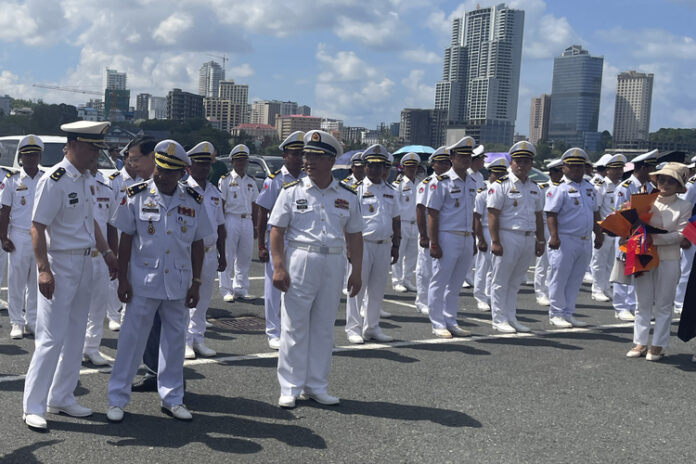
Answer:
(403, 270)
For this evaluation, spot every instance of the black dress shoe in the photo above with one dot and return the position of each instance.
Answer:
(146, 383)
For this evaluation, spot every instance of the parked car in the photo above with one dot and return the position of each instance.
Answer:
(52, 154)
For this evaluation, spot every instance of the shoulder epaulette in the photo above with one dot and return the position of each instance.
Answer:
(692, 180)
(136, 188)
(626, 183)
(442, 177)
(348, 187)
(427, 179)
(398, 179)
(347, 179)
(196, 196)
(542, 185)
(390, 185)
(10, 174)
(290, 184)
(114, 175)
(501, 179)
(273, 174)
(105, 185)
(224, 175)
(556, 183)
(58, 173)
(599, 181)
(481, 189)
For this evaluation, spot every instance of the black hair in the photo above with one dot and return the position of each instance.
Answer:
(145, 142)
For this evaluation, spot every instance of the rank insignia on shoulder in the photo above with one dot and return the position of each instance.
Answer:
(500, 180)
(290, 184)
(481, 189)
(542, 185)
(626, 183)
(443, 177)
(196, 196)
(224, 175)
(114, 175)
(349, 188)
(57, 174)
(135, 189)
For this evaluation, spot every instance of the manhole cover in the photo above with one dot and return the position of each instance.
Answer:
(240, 323)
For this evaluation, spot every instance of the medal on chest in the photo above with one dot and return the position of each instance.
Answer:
(234, 195)
(514, 202)
(456, 203)
(575, 200)
(371, 208)
(150, 227)
(22, 201)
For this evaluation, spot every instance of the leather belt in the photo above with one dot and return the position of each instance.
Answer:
(80, 251)
(463, 233)
(378, 242)
(324, 250)
(581, 237)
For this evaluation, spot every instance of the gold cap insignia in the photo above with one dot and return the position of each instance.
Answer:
(171, 150)
(316, 137)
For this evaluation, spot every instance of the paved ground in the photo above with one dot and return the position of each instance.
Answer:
(549, 397)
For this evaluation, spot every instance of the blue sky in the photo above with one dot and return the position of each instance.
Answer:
(361, 61)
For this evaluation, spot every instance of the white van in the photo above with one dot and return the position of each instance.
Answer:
(52, 154)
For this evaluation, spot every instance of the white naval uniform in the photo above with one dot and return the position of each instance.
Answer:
(18, 191)
(316, 222)
(655, 288)
(687, 255)
(403, 269)
(482, 260)
(480, 184)
(453, 197)
(212, 201)
(424, 263)
(624, 295)
(266, 199)
(603, 257)
(160, 273)
(518, 203)
(104, 204)
(379, 205)
(541, 266)
(238, 194)
(63, 204)
(575, 204)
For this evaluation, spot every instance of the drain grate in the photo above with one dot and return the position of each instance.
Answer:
(240, 323)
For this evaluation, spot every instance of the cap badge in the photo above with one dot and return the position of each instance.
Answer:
(171, 150)
(31, 140)
(316, 137)
(377, 149)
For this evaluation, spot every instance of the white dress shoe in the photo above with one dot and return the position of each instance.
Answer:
(442, 333)
(383, 313)
(625, 315)
(74, 410)
(466, 284)
(229, 298)
(355, 339)
(114, 326)
(17, 332)
(457, 331)
(482, 305)
(208, 325)
(587, 278)
(323, 398)
(286, 401)
(425, 310)
(203, 350)
(95, 358)
(247, 297)
(189, 353)
(274, 343)
(410, 287)
(520, 327)
(378, 336)
(178, 411)
(654, 357)
(576, 322)
(543, 301)
(600, 297)
(35, 421)
(114, 414)
(3, 305)
(504, 327)
(558, 321)
(400, 288)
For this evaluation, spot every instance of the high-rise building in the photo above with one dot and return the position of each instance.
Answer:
(184, 105)
(575, 96)
(157, 108)
(287, 124)
(422, 126)
(304, 110)
(288, 108)
(224, 114)
(238, 93)
(209, 77)
(116, 104)
(265, 112)
(142, 102)
(352, 134)
(481, 73)
(539, 118)
(632, 108)
(115, 80)
(331, 125)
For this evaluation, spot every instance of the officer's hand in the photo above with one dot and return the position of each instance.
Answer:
(685, 243)
(125, 292)
(436, 251)
(263, 255)
(192, 295)
(424, 242)
(554, 243)
(281, 279)
(354, 284)
(46, 284)
(599, 240)
(112, 264)
(222, 263)
(482, 245)
(394, 254)
(7, 245)
(539, 248)
(496, 249)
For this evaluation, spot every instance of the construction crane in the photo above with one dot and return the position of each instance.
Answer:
(221, 57)
(67, 89)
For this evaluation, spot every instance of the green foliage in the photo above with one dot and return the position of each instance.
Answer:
(46, 120)
(682, 136)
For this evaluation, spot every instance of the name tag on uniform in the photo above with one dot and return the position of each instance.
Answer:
(368, 195)
(574, 194)
(21, 187)
(533, 192)
(455, 190)
(514, 195)
(386, 195)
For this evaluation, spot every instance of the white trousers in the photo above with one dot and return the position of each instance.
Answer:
(403, 269)
(114, 305)
(238, 246)
(375, 266)
(482, 272)
(132, 338)
(541, 275)
(99, 300)
(196, 326)
(271, 299)
(655, 296)
(686, 262)
(307, 316)
(60, 332)
(448, 276)
(424, 272)
(21, 280)
(568, 265)
(601, 264)
(508, 273)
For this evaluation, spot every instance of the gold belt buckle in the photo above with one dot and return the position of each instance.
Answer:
(95, 253)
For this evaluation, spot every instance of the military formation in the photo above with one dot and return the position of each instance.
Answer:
(139, 253)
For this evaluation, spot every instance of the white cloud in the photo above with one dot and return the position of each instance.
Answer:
(421, 55)
(419, 94)
(171, 28)
(652, 43)
(241, 71)
(382, 33)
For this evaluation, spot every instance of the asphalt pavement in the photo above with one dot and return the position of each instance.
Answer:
(553, 396)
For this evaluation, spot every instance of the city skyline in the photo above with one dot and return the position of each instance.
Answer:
(362, 65)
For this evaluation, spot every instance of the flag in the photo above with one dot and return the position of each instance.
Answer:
(690, 230)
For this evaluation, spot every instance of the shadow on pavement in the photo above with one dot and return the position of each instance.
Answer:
(13, 386)
(531, 341)
(12, 350)
(25, 454)
(376, 354)
(236, 405)
(596, 334)
(448, 348)
(680, 361)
